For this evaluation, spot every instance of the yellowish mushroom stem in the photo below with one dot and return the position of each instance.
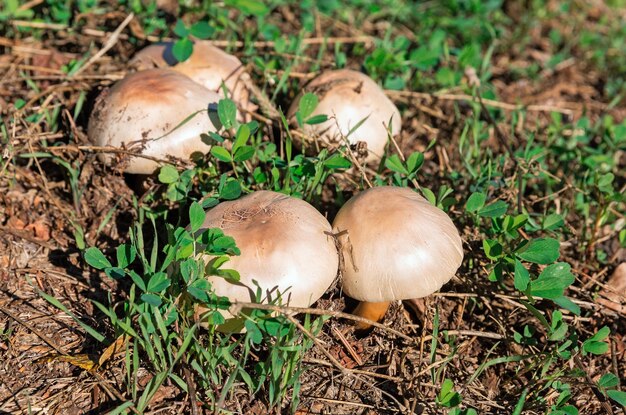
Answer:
(371, 311)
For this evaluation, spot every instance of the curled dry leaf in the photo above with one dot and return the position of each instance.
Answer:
(115, 348)
(15, 223)
(39, 229)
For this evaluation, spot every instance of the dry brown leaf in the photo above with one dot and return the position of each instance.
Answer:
(314, 408)
(15, 223)
(82, 361)
(614, 295)
(116, 347)
(52, 60)
(40, 229)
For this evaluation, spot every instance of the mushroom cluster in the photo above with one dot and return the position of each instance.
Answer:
(393, 245)
(144, 112)
(160, 111)
(208, 65)
(386, 243)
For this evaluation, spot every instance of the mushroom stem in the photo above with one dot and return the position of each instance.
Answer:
(371, 311)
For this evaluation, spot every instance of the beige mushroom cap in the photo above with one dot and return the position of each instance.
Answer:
(351, 97)
(208, 65)
(284, 248)
(398, 246)
(150, 110)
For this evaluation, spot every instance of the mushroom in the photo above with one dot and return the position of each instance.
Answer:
(159, 111)
(395, 245)
(286, 250)
(349, 98)
(208, 65)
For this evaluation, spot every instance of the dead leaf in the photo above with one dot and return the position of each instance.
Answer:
(164, 392)
(82, 361)
(315, 408)
(168, 6)
(116, 347)
(54, 60)
(40, 229)
(492, 384)
(614, 295)
(472, 77)
(136, 29)
(16, 223)
(418, 305)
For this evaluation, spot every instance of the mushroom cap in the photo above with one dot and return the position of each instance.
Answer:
(150, 110)
(398, 246)
(284, 248)
(208, 65)
(351, 97)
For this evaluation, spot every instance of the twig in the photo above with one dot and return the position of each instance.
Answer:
(38, 25)
(616, 369)
(347, 345)
(108, 45)
(23, 234)
(33, 330)
(57, 76)
(358, 371)
(359, 166)
(318, 312)
(267, 107)
(474, 333)
(191, 390)
(488, 102)
(53, 273)
(29, 5)
(339, 402)
(110, 149)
